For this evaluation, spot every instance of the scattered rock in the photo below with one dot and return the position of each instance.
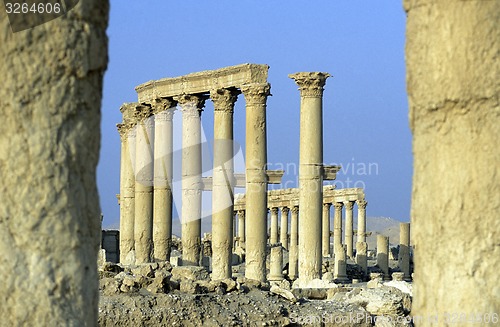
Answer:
(283, 293)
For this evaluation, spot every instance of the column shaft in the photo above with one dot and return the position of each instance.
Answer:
(273, 239)
(383, 254)
(326, 229)
(293, 269)
(284, 227)
(349, 229)
(337, 226)
(256, 180)
(362, 220)
(163, 170)
(310, 172)
(223, 183)
(143, 223)
(191, 107)
(404, 250)
(241, 227)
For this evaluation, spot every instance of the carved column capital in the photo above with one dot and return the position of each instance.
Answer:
(240, 213)
(348, 205)
(162, 104)
(123, 130)
(310, 83)
(128, 110)
(362, 204)
(274, 210)
(191, 104)
(327, 206)
(338, 205)
(142, 112)
(285, 210)
(295, 210)
(224, 99)
(256, 93)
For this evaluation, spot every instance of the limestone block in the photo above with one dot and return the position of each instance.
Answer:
(50, 103)
(380, 301)
(189, 272)
(283, 293)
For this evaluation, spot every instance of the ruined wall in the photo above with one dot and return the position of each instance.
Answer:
(50, 97)
(453, 86)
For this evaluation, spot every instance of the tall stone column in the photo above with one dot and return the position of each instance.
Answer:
(404, 250)
(241, 228)
(144, 172)
(326, 229)
(191, 106)
(49, 148)
(362, 220)
(453, 88)
(284, 228)
(383, 254)
(163, 172)
(223, 183)
(256, 179)
(293, 269)
(273, 238)
(349, 228)
(127, 180)
(310, 172)
(337, 226)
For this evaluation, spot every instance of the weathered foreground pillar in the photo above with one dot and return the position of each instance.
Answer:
(273, 238)
(163, 172)
(284, 228)
(362, 220)
(256, 179)
(223, 183)
(383, 254)
(50, 217)
(293, 257)
(326, 229)
(452, 80)
(192, 107)
(349, 229)
(144, 173)
(127, 180)
(337, 226)
(310, 172)
(404, 250)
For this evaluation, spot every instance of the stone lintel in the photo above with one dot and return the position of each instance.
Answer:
(203, 82)
(239, 182)
(274, 176)
(330, 172)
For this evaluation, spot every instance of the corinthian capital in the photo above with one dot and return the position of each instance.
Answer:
(142, 111)
(348, 205)
(256, 93)
(310, 83)
(338, 205)
(191, 104)
(162, 104)
(224, 99)
(362, 204)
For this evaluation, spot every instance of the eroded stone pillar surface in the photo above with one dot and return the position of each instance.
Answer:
(50, 102)
(337, 226)
(340, 267)
(404, 250)
(383, 254)
(241, 227)
(310, 172)
(362, 256)
(223, 183)
(276, 263)
(127, 180)
(452, 81)
(191, 107)
(144, 174)
(326, 229)
(163, 171)
(293, 256)
(284, 228)
(256, 179)
(273, 238)
(349, 229)
(362, 220)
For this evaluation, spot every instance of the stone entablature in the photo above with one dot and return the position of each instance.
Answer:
(202, 82)
(289, 197)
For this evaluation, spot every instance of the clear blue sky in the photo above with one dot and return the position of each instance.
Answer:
(360, 43)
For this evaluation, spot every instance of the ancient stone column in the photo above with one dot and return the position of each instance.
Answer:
(362, 220)
(340, 267)
(163, 172)
(326, 229)
(349, 228)
(276, 263)
(273, 239)
(144, 172)
(452, 81)
(241, 227)
(383, 254)
(310, 172)
(337, 226)
(404, 250)
(223, 183)
(284, 228)
(293, 269)
(256, 179)
(127, 180)
(361, 256)
(50, 133)
(191, 106)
